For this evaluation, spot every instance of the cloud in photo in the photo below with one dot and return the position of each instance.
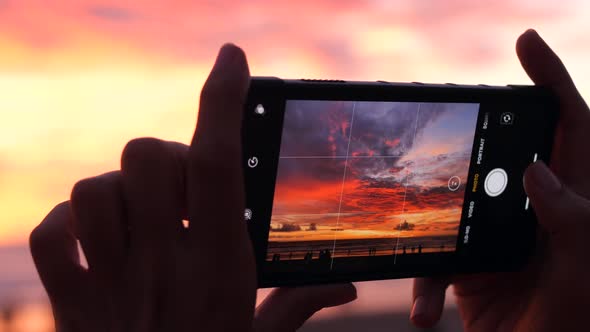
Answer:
(395, 176)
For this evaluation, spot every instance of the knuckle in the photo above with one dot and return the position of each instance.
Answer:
(42, 235)
(93, 188)
(142, 151)
(84, 191)
(36, 238)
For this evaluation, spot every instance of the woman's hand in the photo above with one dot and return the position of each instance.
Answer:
(551, 293)
(146, 270)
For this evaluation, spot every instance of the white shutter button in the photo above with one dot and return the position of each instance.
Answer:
(496, 181)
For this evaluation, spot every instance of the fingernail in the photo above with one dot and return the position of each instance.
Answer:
(354, 294)
(531, 31)
(536, 36)
(226, 56)
(544, 178)
(419, 308)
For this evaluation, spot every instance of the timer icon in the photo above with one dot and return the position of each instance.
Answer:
(253, 162)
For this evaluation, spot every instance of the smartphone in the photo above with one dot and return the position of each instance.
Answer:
(354, 181)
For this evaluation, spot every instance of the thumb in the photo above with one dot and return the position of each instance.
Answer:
(286, 309)
(428, 301)
(546, 69)
(214, 180)
(558, 209)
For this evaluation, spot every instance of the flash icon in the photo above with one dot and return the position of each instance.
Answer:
(259, 109)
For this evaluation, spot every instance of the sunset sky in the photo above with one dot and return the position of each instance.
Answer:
(358, 170)
(78, 79)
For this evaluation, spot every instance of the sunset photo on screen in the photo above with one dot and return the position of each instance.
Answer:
(365, 178)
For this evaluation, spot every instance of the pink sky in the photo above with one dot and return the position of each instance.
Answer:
(80, 78)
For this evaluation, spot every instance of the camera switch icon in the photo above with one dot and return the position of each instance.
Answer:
(507, 118)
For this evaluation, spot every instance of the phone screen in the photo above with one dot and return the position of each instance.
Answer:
(365, 178)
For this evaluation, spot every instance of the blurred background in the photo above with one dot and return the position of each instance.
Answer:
(78, 79)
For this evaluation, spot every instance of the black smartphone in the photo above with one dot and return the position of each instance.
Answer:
(352, 181)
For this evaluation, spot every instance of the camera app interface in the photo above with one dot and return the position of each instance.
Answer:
(365, 178)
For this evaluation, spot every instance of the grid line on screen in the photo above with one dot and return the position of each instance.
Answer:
(343, 181)
(406, 189)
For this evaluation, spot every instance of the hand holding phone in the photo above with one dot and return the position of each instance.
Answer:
(551, 292)
(149, 269)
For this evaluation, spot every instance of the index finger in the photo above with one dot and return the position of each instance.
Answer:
(215, 189)
(55, 254)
